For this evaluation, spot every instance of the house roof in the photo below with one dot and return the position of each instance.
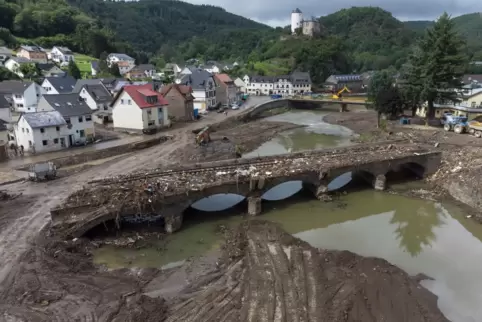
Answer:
(347, 78)
(472, 78)
(13, 86)
(44, 119)
(186, 91)
(4, 50)
(3, 125)
(298, 77)
(297, 10)
(143, 68)
(224, 78)
(33, 48)
(20, 60)
(68, 104)
(197, 80)
(138, 93)
(46, 66)
(3, 102)
(81, 82)
(64, 50)
(99, 93)
(121, 83)
(63, 84)
(120, 56)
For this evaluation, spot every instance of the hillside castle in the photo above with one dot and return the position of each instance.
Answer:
(309, 27)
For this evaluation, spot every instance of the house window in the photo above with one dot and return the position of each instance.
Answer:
(56, 141)
(149, 112)
(42, 130)
(106, 108)
(151, 123)
(82, 133)
(45, 142)
(57, 128)
(18, 96)
(23, 130)
(30, 143)
(122, 101)
(28, 131)
(81, 119)
(19, 105)
(88, 118)
(129, 102)
(67, 120)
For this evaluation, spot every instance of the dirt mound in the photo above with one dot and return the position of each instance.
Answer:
(56, 281)
(272, 276)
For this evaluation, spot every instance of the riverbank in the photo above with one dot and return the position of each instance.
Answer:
(461, 166)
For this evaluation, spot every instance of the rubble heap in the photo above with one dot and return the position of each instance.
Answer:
(272, 276)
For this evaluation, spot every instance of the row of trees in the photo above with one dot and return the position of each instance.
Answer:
(433, 73)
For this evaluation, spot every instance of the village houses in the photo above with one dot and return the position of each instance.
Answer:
(285, 85)
(61, 55)
(354, 83)
(41, 132)
(34, 53)
(50, 69)
(76, 113)
(203, 89)
(142, 71)
(226, 91)
(123, 61)
(58, 85)
(5, 54)
(139, 109)
(181, 101)
(240, 85)
(13, 64)
(23, 96)
(98, 98)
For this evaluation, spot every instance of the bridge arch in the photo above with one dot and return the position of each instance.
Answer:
(408, 171)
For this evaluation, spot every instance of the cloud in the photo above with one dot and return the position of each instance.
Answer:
(277, 12)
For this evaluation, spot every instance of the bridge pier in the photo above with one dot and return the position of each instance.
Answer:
(380, 182)
(343, 107)
(254, 206)
(173, 223)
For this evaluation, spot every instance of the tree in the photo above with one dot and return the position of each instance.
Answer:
(73, 70)
(5, 74)
(29, 71)
(114, 70)
(437, 64)
(384, 96)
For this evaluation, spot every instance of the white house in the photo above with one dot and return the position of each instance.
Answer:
(98, 98)
(138, 108)
(61, 54)
(41, 132)
(285, 85)
(203, 89)
(76, 113)
(22, 96)
(172, 69)
(58, 85)
(213, 69)
(13, 64)
(240, 84)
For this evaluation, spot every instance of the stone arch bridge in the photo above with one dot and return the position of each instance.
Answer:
(170, 192)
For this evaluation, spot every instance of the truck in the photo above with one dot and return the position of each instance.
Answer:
(42, 171)
(475, 127)
(458, 124)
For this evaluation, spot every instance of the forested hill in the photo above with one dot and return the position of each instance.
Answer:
(149, 24)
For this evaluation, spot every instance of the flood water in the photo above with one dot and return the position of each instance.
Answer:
(418, 236)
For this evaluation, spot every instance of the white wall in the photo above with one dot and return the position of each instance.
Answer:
(89, 100)
(13, 66)
(34, 138)
(200, 100)
(125, 115)
(152, 117)
(48, 88)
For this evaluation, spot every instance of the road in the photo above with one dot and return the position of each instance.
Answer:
(21, 219)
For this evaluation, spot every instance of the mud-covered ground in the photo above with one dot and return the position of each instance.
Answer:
(264, 274)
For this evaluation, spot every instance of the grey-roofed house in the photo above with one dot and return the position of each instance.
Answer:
(5, 118)
(13, 64)
(76, 113)
(23, 96)
(59, 85)
(50, 70)
(34, 53)
(61, 54)
(203, 89)
(41, 132)
(142, 71)
(98, 98)
(354, 82)
(5, 54)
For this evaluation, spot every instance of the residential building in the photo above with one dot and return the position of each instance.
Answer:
(470, 105)
(6, 133)
(203, 87)
(5, 111)
(13, 64)
(98, 98)
(59, 85)
(226, 91)
(5, 54)
(41, 132)
(121, 83)
(240, 84)
(181, 101)
(172, 69)
(142, 71)
(125, 62)
(22, 96)
(187, 70)
(76, 113)
(338, 82)
(213, 68)
(34, 53)
(470, 79)
(61, 54)
(139, 109)
(294, 84)
(50, 69)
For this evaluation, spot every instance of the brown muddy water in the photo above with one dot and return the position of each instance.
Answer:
(417, 235)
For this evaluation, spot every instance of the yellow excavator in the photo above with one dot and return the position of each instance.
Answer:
(338, 95)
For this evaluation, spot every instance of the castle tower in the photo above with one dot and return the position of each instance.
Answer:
(296, 20)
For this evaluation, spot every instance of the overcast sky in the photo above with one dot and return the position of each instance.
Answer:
(277, 12)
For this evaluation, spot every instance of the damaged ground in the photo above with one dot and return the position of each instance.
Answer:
(263, 274)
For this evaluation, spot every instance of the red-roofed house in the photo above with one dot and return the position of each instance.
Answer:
(181, 101)
(225, 90)
(138, 108)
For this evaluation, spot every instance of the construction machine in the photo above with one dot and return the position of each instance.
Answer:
(338, 95)
(203, 136)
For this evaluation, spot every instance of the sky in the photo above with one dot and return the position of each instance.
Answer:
(277, 12)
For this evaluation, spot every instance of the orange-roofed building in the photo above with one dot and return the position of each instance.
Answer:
(139, 108)
(225, 90)
(181, 101)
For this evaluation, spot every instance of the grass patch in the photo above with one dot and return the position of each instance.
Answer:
(273, 67)
(83, 62)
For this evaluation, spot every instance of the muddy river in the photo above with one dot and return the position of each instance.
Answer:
(416, 235)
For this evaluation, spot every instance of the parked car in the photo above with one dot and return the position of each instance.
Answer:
(235, 106)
